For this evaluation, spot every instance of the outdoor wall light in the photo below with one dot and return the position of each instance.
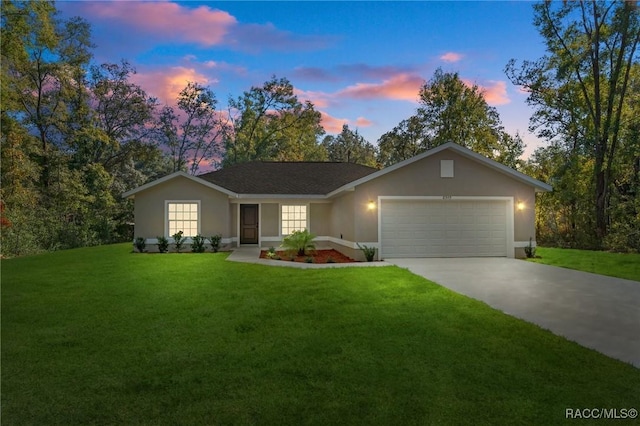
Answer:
(371, 205)
(520, 206)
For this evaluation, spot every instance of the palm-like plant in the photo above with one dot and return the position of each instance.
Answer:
(299, 242)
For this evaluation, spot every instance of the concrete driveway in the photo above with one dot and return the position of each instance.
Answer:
(602, 313)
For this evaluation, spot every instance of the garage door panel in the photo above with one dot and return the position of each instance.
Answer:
(438, 228)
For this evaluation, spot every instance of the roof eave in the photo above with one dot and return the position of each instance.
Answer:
(284, 196)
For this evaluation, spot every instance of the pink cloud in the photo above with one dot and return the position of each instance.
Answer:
(332, 124)
(166, 84)
(363, 122)
(495, 93)
(166, 20)
(128, 24)
(318, 99)
(451, 57)
(403, 86)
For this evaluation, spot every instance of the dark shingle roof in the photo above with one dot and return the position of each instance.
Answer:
(306, 178)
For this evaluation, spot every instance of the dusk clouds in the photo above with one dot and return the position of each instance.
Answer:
(202, 26)
(336, 54)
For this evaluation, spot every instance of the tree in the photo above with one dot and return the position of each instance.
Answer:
(406, 140)
(350, 147)
(580, 88)
(195, 133)
(270, 123)
(44, 61)
(451, 111)
(118, 121)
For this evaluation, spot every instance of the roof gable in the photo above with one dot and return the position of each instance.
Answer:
(538, 185)
(174, 175)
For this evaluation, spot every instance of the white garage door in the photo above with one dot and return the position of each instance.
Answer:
(443, 228)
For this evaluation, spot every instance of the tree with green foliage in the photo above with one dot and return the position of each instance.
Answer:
(44, 62)
(350, 147)
(581, 91)
(451, 111)
(270, 123)
(406, 140)
(71, 141)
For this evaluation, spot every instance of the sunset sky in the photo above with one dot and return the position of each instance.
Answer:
(360, 63)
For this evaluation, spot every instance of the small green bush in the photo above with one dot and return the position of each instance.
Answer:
(369, 252)
(299, 242)
(197, 244)
(271, 253)
(309, 259)
(140, 243)
(530, 250)
(163, 244)
(178, 240)
(215, 242)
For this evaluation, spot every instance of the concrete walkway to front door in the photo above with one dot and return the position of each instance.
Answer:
(599, 312)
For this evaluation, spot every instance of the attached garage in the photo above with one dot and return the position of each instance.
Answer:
(437, 227)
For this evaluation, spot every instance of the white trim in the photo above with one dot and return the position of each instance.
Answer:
(538, 185)
(508, 206)
(166, 213)
(173, 176)
(275, 199)
(283, 196)
(271, 239)
(347, 243)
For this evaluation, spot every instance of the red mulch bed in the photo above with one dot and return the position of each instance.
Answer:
(319, 256)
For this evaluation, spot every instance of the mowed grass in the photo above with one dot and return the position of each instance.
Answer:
(104, 336)
(621, 265)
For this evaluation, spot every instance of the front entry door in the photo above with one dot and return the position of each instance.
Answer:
(249, 224)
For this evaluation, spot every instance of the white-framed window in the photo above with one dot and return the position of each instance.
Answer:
(294, 218)
(183, 216)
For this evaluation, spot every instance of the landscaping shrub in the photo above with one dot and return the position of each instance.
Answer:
(530, 250)
(271, 253)
(178, 240)
(215, 242)
(197, 244)
(163, 244)
(140, 244)
(369, 252)
(299, 242)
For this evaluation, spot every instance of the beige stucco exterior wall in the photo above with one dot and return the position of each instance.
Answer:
(422, 178)
(342, 218)
(150, 207)
(270, 216)
(319, 218)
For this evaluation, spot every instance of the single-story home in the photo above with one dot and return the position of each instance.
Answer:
(446, 202)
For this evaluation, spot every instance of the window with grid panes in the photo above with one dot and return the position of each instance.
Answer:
(183, 217)
(294, 218)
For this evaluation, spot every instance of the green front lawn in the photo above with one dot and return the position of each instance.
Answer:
(103, 336)
(621, 265)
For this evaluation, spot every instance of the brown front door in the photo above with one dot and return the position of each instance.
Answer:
(248, 224)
